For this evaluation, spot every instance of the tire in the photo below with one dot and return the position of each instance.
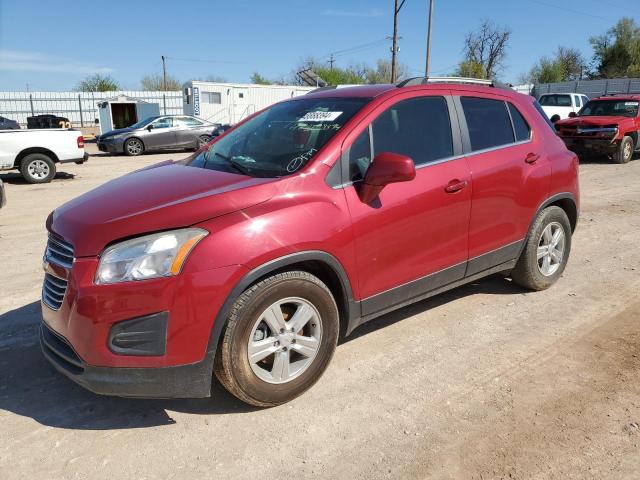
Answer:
(37, 168)
(259, 382)
(531, 272)
(624, 153)
(202, 141)
(134, 147)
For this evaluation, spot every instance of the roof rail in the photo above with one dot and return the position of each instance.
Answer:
(409, 82)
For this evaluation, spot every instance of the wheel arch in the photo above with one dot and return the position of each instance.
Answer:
(634, 137)
(30, 150)
(321, 264)
(132, 137)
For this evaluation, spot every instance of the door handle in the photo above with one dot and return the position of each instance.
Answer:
(455, 186)
(532, 158)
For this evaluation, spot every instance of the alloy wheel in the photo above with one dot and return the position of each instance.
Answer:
(134, 147)
(551, 246)
(38, 169)
(284, 340)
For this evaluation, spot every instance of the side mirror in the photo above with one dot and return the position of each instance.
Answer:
(149, 128)
(555, 118)
(573, 114)
(386, 168)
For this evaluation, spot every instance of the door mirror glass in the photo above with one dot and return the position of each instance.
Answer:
(386, 168)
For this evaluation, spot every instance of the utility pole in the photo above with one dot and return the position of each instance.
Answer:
(426, 68)
(394, 46)
(164, 84)
(164, 73)
(332, 60)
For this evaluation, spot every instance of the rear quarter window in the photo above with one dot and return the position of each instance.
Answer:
(521, 128)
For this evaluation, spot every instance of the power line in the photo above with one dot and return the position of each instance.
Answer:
(200, 60)
(570, 10)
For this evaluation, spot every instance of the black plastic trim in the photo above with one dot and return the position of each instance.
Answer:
(182, 381)
(495, 257)
(353, 307)
(143, 336)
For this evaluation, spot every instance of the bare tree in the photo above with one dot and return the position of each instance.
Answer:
(487, 47)
(155, 83)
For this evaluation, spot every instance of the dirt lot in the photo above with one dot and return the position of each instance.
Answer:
(487, 381)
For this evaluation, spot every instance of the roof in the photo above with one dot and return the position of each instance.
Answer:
(618, 96)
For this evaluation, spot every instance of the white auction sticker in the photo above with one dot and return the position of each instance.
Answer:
(630, 104)
(320, 117)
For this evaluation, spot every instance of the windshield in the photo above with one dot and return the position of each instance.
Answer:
(144, 122)
(281, 140)
(555, 100)
(610, 108)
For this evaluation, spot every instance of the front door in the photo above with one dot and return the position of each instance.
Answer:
(413, 238)
(161, 135)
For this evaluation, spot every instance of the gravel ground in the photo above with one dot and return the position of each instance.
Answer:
(486, 381)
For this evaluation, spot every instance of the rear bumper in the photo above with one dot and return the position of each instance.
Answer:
(78, 160)
(183, 381)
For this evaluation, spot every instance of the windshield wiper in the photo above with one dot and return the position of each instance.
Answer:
(235, 164)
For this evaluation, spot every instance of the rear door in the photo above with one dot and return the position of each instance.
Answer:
(413, 238)
(510, 174)
(188, 131)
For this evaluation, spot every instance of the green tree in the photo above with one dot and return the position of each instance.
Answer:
(617, 52)
(566, 65)
(485, 50)
(155, 83)
(382, 72)
(471, 69)
(97, 83)
(259, 79)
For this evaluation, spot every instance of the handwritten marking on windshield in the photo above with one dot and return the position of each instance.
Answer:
(300, 160)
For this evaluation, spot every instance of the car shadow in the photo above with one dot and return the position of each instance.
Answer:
(17, 179)
(602, 159)
(31, 388)
(494, 285)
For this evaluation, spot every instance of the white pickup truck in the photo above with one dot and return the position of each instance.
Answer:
(35, 153)
(560, 105)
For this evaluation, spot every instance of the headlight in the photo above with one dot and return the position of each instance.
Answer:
(151, 256)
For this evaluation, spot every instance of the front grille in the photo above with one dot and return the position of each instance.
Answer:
(58, 350)
(60, 252)
(53, 291)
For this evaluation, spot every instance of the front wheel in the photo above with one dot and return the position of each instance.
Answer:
(37, 168)
(203, 140)
(625, 151)
(279, 339)
(546, 251)
(133, 147)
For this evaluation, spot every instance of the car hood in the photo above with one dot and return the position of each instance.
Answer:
(594, 121)
(165, 196)
(117, 131)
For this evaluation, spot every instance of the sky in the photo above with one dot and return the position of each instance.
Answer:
(49, 45)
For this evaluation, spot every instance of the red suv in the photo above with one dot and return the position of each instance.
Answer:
(250, 259)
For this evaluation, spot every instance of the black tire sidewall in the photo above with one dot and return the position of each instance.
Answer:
(131, 140)
(198, 144)
(26, 161)
(530, 275)
(237, 362)
(620, 158)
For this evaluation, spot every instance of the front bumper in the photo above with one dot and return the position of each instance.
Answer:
(183, 381)
(591, 145)
(111, 146)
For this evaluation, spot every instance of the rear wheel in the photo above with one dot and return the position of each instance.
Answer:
(37, 168)
(625, 151)
(546, 251)
(279, 339)
(133, 147)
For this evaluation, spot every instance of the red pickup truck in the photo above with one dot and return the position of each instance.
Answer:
(606, 125)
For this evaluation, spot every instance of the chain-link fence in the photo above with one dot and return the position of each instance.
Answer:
(81, 108)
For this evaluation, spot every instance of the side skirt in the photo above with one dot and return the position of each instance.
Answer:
(504, 258)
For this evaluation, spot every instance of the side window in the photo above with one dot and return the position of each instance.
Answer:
(359, 156)
(165, 122)
(211, 97)
(188, 122)
(578, 101)
(488, 122)
(520, 125)
(418, 127)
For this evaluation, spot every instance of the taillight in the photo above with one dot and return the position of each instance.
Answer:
(80, 141)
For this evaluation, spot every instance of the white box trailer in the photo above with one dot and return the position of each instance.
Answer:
(232, 102)
(123, 111)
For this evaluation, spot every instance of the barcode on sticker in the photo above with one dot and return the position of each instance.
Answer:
(630, 104)
(320, 116)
